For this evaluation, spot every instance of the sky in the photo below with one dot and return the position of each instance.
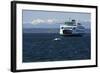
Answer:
(51, 19)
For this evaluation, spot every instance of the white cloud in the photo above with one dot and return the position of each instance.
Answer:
(48, 21)
(37, 21)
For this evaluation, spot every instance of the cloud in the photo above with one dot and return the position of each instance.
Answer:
(48, 21)
(37, 21)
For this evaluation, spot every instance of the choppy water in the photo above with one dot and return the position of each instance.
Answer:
(39, 47)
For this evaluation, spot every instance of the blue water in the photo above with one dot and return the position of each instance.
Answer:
(40, 47)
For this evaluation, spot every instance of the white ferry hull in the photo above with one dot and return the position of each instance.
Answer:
(72, 30)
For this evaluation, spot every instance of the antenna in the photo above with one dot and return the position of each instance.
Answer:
(69, 18)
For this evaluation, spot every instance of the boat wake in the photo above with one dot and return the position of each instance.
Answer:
(57, 39)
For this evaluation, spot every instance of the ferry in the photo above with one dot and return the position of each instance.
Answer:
(71, 28)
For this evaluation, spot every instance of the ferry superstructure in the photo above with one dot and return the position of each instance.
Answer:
(71, 28)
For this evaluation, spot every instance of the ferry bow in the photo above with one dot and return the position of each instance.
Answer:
(71, 28)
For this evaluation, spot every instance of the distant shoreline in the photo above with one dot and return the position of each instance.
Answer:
(45, 30)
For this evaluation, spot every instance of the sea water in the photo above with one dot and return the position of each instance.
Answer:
(41, 47)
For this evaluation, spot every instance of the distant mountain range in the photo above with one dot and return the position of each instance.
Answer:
(28, 25)
(49, 28)
(87, 25)
(46, 30)
(41, 30)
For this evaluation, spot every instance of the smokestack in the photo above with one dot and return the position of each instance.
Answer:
(74, 22)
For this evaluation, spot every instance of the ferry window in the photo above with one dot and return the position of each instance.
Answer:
(62, 27)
